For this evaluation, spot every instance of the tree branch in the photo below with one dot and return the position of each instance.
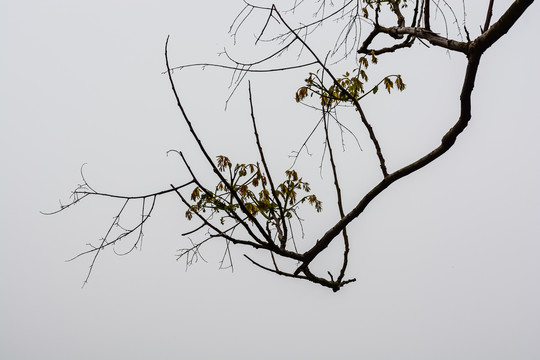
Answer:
(349, 95)
(501, 27)
(446, 143)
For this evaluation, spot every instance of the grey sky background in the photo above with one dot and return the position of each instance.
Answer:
(447, 261)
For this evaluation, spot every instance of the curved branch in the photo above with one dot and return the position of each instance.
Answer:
(446, 143)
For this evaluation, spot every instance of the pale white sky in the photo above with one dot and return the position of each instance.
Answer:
(447, 260)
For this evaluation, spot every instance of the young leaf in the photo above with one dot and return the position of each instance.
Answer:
(388, 84)
(363, 75)
(301, 93)
(373, 57)
(363, 61)
(196, 194)
(399, 83)
(223, 162)
(365, 12)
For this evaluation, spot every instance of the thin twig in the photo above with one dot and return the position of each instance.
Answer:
(338, 194)
(267, 170)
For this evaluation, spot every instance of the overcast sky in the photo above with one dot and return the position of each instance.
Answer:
(447, 261)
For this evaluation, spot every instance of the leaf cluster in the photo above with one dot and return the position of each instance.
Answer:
(250, 184)
(348, 88)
